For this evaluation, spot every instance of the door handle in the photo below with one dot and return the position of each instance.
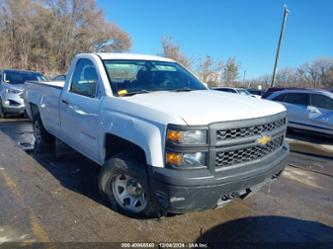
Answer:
(65, 101)
(79, 111)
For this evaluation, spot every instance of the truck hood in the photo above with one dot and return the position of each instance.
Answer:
(207, 106)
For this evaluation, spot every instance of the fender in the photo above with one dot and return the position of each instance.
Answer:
(148, 136)
(142, 126)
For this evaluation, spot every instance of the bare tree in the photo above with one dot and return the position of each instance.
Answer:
(324, 68)
(306, 73)
(45, 34)
(265, 80)
(317, 74)
(230, 71)
(286, 77)
(328, 79)
(81, 27)
(15, 31)
(172, 51)
(210, 71)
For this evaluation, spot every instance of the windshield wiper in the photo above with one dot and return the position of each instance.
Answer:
(185, 89)
(136, 92)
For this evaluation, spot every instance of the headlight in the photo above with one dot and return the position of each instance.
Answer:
(186, 160)
(9, 90)
(189, 137)
(186, 147)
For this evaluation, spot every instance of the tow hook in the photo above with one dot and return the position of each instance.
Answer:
(228, 197)
(245, 194)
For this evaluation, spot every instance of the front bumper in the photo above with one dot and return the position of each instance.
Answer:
(180, 191)
(13, 104)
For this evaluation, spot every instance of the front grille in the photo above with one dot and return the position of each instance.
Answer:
(228, 134)
(13, 103)
(224, 159)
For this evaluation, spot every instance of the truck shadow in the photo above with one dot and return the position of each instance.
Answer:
(72, 170)
(268, 232)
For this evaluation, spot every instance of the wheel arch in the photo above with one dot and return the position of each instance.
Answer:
(114, 145)
(34, 111)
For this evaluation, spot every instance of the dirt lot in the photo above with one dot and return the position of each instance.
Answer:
(54, 198)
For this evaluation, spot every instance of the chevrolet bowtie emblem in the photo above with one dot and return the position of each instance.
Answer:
(264, 140)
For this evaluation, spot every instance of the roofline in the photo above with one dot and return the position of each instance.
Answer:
(133, 56)
(230, 87)
(20, 70)
(307, 90)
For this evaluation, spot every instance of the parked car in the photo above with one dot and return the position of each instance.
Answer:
(308, 109)
(11, 89)
(241, 91)
(272, 90)
(165, 142)
(255, 91)
(60, 77)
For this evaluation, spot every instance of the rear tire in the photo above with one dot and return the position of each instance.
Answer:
(44, 141)
(123, 180)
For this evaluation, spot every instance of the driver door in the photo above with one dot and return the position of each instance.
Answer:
(321, 112)
(79, 110)
(296, 104)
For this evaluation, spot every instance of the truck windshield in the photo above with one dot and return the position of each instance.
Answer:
(17, 77)
(244, 92)
(128, 77)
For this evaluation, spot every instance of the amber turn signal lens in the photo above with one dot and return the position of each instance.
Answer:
(174, 136)
(174, 158)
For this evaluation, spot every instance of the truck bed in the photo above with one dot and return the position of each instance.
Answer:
(56, 84)
(46, 95)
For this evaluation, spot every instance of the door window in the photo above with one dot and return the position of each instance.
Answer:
(297, 98)
(321, 101)
(84, 81)
(280, 97)
(229, 90)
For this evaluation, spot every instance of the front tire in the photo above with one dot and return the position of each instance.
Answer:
(123, 180)
(2, 111)
(44, 141)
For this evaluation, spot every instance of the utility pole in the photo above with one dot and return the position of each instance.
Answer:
(244, 76)
(285, 14)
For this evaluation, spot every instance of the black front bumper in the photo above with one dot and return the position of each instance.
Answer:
(179, 191)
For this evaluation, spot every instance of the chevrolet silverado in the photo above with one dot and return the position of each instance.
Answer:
(165, 143)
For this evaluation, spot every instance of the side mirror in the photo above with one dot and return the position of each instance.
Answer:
(313, 109)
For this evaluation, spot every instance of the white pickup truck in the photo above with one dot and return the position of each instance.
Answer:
(165, 142)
